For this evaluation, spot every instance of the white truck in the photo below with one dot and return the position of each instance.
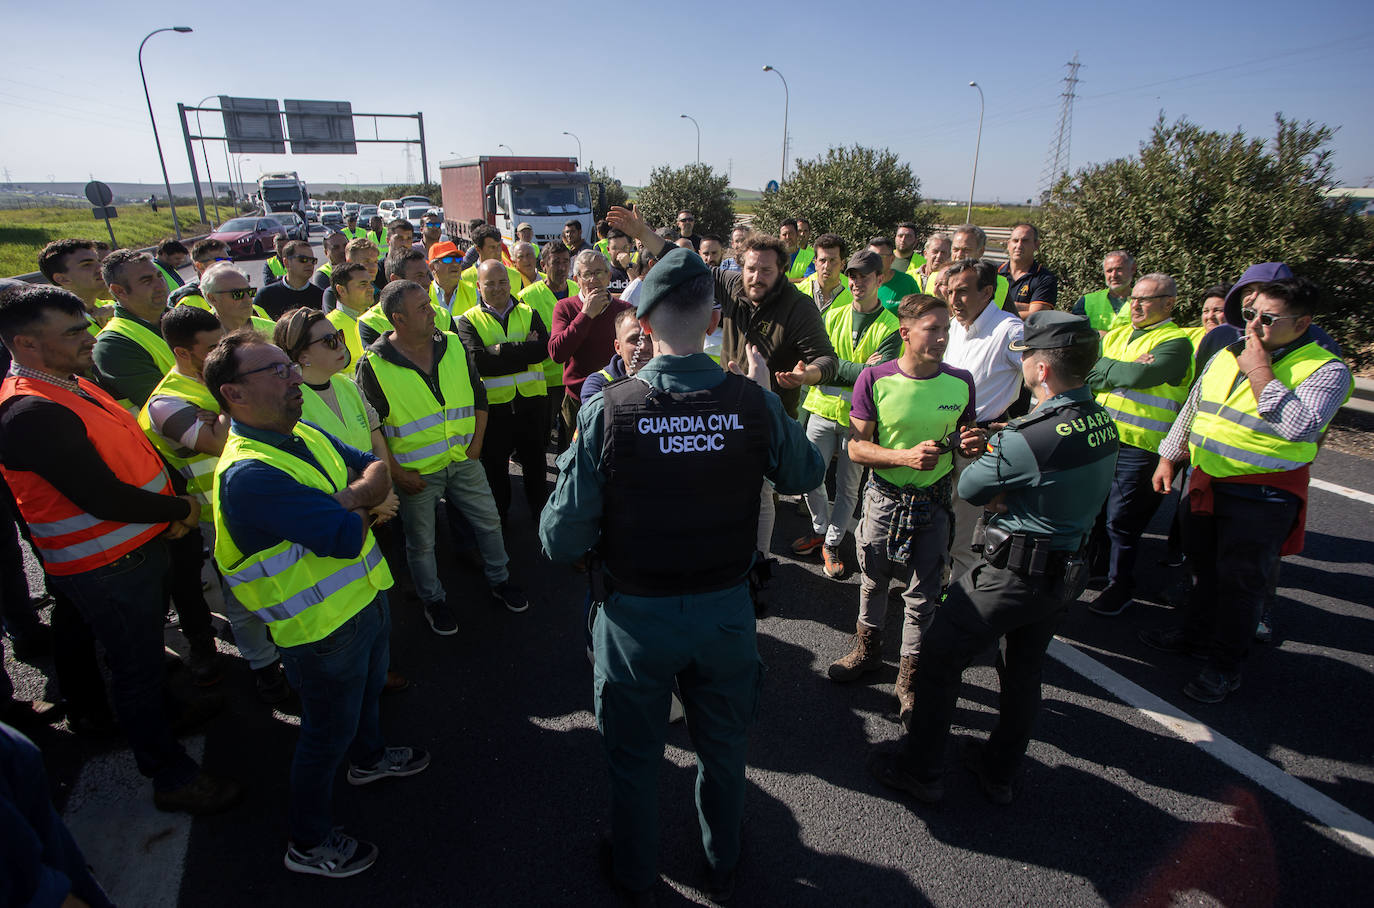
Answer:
(283, 191)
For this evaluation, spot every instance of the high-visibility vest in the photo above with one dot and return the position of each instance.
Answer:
(832, 401)
(154, 346)
(603, 247)
(807, 285)
(464, 298)
(352, 427)
(376, 319)
(1230, 438)
(354, 232)
(540, 298)
(1196, 334)
(167, 278)
(529, 382)
(1143, 415)
(1100, 312)
(349, 326)
(70, 540)
(327, 269)
(200, 302)
(301, 596)
(277, 268)
(423, 434)
(914, 267)
(1000, 297)
(379, 242)
(804, 257)
(196, 468)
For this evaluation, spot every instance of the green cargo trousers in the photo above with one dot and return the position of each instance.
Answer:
(641, 644)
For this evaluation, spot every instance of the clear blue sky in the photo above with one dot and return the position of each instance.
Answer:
(618, 75)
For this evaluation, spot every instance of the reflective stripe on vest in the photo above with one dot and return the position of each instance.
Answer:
(1229, 437)
(196, 468)
(540, 297)
(70, 539)
(832, 401)
(302, 596)
(422, 434)
(528, 382)
(1143, 415)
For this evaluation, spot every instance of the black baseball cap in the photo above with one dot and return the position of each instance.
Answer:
(1050, 329)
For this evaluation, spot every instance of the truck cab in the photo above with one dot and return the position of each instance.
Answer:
(546, 200)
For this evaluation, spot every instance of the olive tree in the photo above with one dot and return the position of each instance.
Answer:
(695, 187)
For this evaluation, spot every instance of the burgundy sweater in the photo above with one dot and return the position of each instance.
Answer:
(582, 344)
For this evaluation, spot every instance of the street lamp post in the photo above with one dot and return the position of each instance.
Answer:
(166, 181)
(507, 148)
(786, 102)
(698, 126)
(968, 216)
(243, 188)
(205, 156)
(579, 147)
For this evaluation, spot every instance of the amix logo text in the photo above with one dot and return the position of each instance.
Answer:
(949, 407)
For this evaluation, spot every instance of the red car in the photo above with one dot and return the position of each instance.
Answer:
(249, 237)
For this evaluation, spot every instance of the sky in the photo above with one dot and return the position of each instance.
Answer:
(620, 75)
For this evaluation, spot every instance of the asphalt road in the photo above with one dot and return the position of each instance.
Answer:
(1113, 807)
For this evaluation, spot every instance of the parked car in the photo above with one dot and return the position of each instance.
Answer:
(295, 226)
(312, 216)
(350, 208)
(415, 214)
(331, 216)
(367, 213)
(248, 237)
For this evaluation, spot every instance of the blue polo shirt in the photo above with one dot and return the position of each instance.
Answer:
(263, 506)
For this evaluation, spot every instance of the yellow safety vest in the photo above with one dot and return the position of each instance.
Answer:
(832, 401)
(379, 242)
(301, 596)
(200, 302)
(349, 326)
(1230, 438)
(1100, 312)
(501, 389)
(914, 267)
(1143, 415)
(423, 434)
(352, 427)
(807, 285)
(540, 298)
(196, 468)
(153, 345)
(275, 264)
(797, 270)
(376, 319)
(167, 278)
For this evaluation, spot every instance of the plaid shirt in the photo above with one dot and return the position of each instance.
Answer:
(66, 384)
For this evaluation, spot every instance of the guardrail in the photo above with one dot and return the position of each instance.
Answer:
(36, 277)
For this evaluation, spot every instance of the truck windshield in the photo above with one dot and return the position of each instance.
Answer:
(543, 199)
(281, 193)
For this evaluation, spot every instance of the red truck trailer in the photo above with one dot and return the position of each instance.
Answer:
(507, 190)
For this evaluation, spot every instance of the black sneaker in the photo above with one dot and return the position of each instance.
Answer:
(270, 682)
(1111, 601)
(887, 768)
(999, 793)
(339, 856)
(1212, 685)
(1173, 640)
(205, 794)
(511, 596)
(441, 618)
(396, 763)
(204, 662)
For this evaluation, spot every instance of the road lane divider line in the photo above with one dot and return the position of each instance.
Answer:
(1341, 490)
(1340, 819)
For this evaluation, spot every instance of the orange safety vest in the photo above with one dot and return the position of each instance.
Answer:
(70, 540)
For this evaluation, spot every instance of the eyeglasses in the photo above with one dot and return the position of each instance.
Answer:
(214, 260)
(332, 341)
(1265, 318)
(303, 259)
(237, 294)
(282, 371)
(686, 220)
(449, 260)
(1157, 296)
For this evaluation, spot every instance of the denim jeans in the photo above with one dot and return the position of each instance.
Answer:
(123, 603)
(464, 484)
(833, 521)
(1131, 504)
(339, 679)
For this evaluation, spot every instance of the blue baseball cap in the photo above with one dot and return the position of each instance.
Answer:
(1262, 273)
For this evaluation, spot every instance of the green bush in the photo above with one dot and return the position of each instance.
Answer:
(615, 192)
(855, 192)
(1203, 205)
(696, 187)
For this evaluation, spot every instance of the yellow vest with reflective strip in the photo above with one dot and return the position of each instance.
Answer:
(1100, 312)
(196, 468)
(914, 267)
(807, 285)
(832, 401)
(153, 345)
(376, 319)
(797, 270)
(540, 298)
(199, 302)
(301, 596)
(277, 268)
(352, 428)
(1143, 415)
(423, 434)
(529, 382)
(349, 326)
(1230, 438)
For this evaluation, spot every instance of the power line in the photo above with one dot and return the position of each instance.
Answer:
(1057, 162)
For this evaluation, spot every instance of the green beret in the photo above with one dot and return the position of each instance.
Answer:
(675, 268)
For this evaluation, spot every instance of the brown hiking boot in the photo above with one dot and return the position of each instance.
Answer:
(866, 656)
(906, 694)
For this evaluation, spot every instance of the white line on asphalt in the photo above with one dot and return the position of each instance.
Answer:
(1341, 820)
(1342, 490)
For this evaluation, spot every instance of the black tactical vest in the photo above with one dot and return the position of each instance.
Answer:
(683, 473)
(1069, 436)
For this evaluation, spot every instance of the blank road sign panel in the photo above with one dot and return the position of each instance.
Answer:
(320, 127)
(253, 125)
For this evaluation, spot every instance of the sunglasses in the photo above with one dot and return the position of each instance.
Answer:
(1266, 319)
(239, 294)
(282, 371)
(449, 260)
(332, 341)
(305, 258)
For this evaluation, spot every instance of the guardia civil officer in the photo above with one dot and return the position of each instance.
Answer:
(1045, 476)
(675, 455)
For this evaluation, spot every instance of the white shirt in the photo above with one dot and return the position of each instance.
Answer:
(981, 349)
(631, 292)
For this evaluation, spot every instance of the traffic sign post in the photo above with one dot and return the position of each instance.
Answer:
(100, 197)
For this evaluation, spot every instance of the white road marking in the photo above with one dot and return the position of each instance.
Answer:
(136, 851)
(1341, 490)
(1341, 820)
